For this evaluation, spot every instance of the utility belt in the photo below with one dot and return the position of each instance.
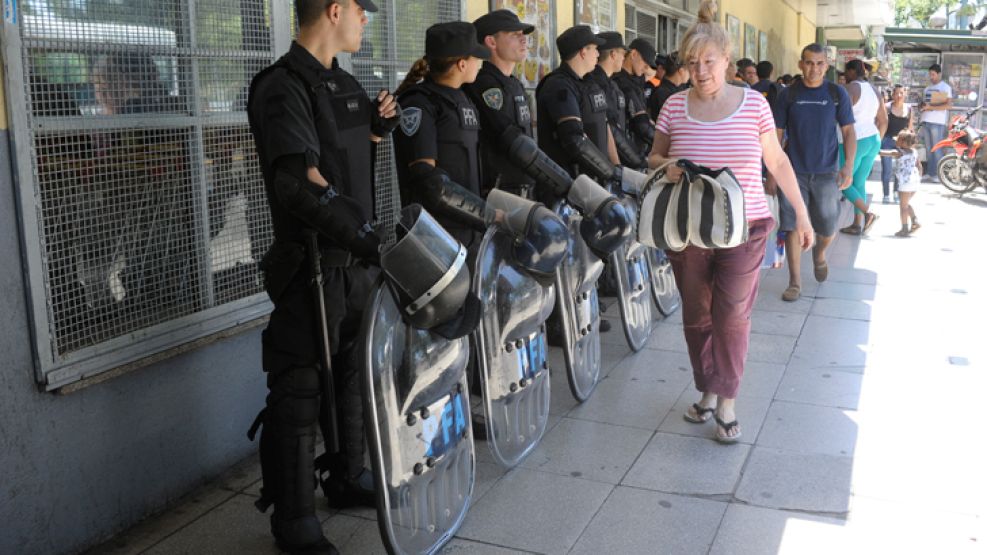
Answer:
(285, 258)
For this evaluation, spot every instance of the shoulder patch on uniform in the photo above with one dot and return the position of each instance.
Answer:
(494, 98)
(411, 120)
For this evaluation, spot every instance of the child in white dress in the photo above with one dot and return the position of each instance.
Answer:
(907, 173)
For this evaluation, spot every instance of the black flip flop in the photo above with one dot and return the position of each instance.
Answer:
(727, 426)
(699, 411)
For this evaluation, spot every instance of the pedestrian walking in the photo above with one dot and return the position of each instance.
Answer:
(716, 125)
(806, 113)
(870, 121)
(937, 99)
(906, 170)
(764, 85)
(899, 119)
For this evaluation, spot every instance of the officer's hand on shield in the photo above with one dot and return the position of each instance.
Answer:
(386, 115)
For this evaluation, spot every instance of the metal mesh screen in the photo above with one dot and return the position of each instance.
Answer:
(149, 200)
(386, 55)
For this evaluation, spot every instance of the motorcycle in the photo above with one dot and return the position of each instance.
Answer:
(966, 167)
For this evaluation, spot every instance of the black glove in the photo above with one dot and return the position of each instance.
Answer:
(357, 237)
(382, 127)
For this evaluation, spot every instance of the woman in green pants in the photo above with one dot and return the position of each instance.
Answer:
(871, 119)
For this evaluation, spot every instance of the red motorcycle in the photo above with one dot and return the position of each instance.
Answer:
(966, 167)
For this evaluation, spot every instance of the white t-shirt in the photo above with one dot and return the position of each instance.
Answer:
(937, 116)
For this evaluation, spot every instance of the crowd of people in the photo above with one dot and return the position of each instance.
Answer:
(462, 127)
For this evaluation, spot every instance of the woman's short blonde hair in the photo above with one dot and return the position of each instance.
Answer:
(706, 32)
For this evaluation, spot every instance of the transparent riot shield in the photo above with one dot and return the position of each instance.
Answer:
(664, 291)
(579, 307)
(633, 287)
(512, 352)
(418, 424)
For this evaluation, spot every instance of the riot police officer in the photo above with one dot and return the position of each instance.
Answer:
(610, 61)
(316, 130)
(437, 149)
(630, 80)
(572, 111)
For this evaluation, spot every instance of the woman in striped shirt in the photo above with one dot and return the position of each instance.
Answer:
(716, 126)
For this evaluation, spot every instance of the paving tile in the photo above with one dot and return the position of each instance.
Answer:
(687, 465)
(844, 290)
(152, 530)
(458, 545)
(760, 379)
(354, 535)
(770, 348)
(843, 308)
(536, 511)
(640, 404)
(669, 367)
(242, 475)
(667, 337)
(233, 527)
(832, 343)
(747, 530)
(589, 450)
(786, 480)
(647, 522)
(487, 474)
(777, 323)
(750, 414)
(831, 388)
(809, 429)
(774, 281)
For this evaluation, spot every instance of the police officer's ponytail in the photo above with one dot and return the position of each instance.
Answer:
(426, 67)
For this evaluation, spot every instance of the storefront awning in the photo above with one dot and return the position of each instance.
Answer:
(934, 40)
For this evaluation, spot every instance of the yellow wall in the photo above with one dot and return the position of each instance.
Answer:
(790, 25)
(563, 12)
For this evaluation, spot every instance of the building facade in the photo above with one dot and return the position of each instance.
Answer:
(133, 219)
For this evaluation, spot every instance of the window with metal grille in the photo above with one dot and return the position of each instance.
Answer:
(598, 14)
(140, 193)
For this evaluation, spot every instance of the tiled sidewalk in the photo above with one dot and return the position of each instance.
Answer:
(861, 417)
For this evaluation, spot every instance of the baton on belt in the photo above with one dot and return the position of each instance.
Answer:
(328, 406)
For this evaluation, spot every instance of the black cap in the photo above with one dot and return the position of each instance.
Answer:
(454, 39)
(647, 52)
(367, 5)
(575, 38)
(500, 20)
(611, 40)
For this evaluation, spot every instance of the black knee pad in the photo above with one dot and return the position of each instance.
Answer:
(294, 397)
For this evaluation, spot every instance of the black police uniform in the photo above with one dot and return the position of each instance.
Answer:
(501, 102)
(303, 115)
(640, 128)
(440, 123)
(562, 94)
(661, 93)
(630, 155)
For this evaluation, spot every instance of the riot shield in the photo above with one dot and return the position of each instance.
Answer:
(579, 308)
(418, 427)
(633, 287)
(664, 291)
(512, 353)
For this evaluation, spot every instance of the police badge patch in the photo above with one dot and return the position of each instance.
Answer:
(494, 98)
(411, 120)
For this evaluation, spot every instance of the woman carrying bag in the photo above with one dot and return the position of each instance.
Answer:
(718, 126)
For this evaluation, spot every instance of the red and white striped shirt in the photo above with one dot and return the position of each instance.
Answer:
(733, 142)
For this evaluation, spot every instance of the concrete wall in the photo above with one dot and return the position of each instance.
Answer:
(76, 469)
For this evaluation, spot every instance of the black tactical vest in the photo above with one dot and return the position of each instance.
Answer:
(593, 107)
(498, 171)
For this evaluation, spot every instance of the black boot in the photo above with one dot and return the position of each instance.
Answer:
(343, 489)
(288, 462)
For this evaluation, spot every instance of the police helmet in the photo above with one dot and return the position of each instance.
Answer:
(541, 238)
(606, 225)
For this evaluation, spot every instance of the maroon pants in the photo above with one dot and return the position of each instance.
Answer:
(719, 287)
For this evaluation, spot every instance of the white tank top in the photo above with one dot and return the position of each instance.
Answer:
(864, 111)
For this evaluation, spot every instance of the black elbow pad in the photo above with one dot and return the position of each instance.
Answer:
(336, 216)
(444, 196)
(643, 127)
(523, 151)
(580, 148)
(629, 156)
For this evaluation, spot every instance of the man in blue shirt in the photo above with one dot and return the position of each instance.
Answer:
(812, 112)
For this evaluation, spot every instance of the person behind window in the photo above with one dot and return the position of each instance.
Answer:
(716, 125)
(129, 83)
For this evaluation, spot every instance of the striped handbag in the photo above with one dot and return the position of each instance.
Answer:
(704, 208)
